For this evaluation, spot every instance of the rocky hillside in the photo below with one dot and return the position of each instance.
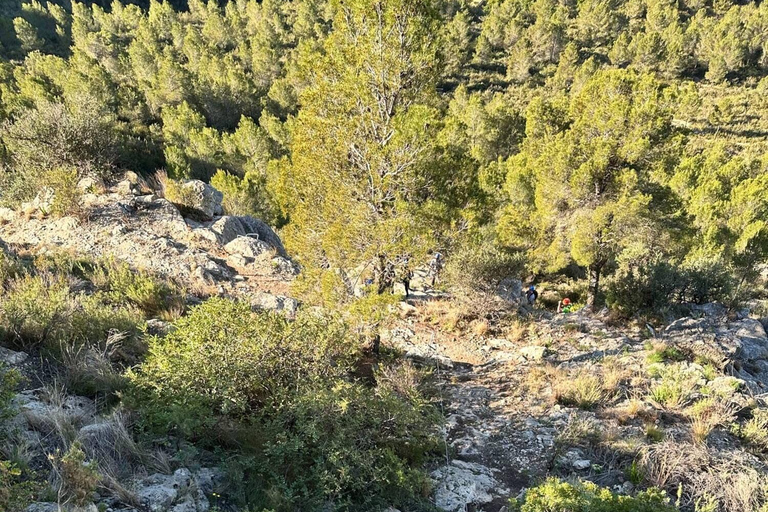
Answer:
(577, 396)
(523, 394)
(212, 254)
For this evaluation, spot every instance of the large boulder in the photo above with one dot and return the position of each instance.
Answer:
(42, 203)
(202, 197)
(247, 247)
(741, 345)
(228, 228)
(10, 357)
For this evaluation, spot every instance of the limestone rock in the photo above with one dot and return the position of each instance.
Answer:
(203, 198)
(582, 464)
(125, 188)
(42, 202)
(7, 215)
(247, 247)
(43, 507)
(270, 302)
(10, 357)
(172, 493)
(88, 185)
(533, 352)
(460, 485)
(228, 228)
(511, 290)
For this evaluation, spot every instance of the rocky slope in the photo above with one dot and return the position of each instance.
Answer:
(511, 423)
(526, 394)
(224, 255)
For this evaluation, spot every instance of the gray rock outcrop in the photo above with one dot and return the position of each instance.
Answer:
(202, 197)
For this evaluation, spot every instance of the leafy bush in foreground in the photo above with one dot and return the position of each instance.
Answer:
(277, 396)
(556, 496)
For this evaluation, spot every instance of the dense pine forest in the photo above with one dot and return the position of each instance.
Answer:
(612, 152)
(605, 137)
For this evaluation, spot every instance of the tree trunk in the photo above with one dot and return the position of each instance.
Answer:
(594, 286)
(382, 275)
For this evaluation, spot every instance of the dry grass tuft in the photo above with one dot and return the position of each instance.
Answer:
(708, 414)
(702, 477)
(480, 327)
(585, 388)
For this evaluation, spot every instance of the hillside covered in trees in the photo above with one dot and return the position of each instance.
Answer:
(614, 136)
(611, 151)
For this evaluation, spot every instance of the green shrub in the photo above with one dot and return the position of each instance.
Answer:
(18, 490)
(478, 264)
(755, 431)
(123, 284)
(674, 386)
(41, 311)
(556, 496)
(234, 361)
(665, 353)
(9, 267)
(66, 198)
(278, 397)
(657, 286)
(9, 379)
(77, 478)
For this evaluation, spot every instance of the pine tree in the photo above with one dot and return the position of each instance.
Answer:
(577, 190)
(361, 146)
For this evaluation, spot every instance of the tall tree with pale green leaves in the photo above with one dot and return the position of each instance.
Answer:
(578, 190)
(357, 188)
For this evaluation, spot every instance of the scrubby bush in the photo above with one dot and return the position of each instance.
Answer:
(658, 286)
(279, 397)
(50, 142)
(233, 361)
(9, 379)
(123, 284)
(674, 385)
(478, 264)
(241, 195)
(557, 496)
(17, 491)
(42, 311)
(66, 195)
(77, 478)
(755, 430)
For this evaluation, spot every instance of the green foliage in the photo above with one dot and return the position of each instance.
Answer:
(674, 385)
(361, 183)
(122, 284)
(556, 496)
(755, 431)
(9, 379)
(17, 491)
(53, 145)
(78, 478)
(40, 310)
(579, 194)
(232, 361)
(281, 393)
(478, 264)
(657, 286)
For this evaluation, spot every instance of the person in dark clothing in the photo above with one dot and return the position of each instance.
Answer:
(531, 295)
(404, 273)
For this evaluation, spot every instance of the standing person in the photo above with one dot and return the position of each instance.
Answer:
(405, 274)
(564, 306)
(531, 295)
(435, 266)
